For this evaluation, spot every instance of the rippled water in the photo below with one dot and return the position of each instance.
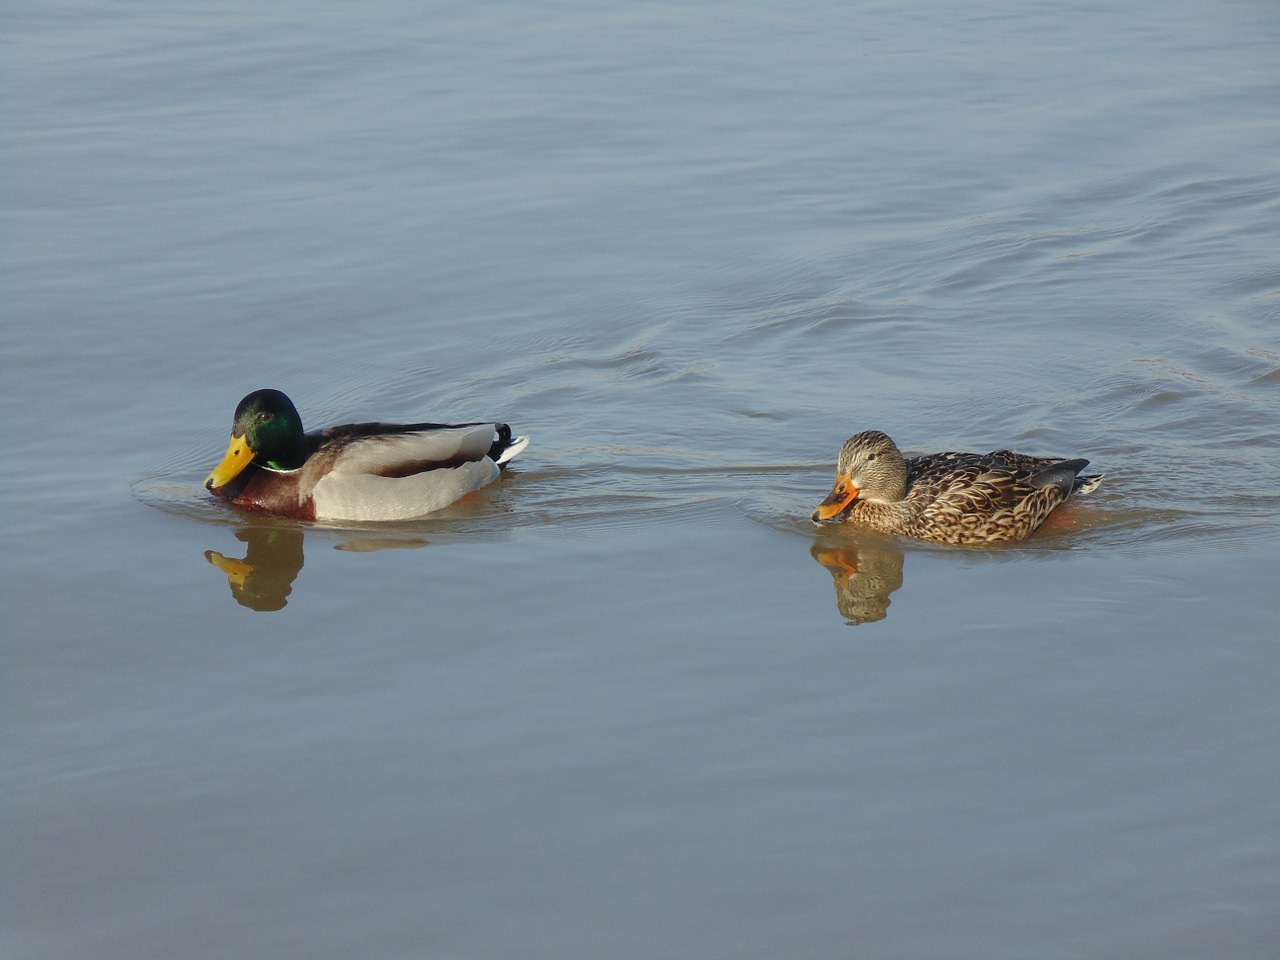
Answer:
(629, 701)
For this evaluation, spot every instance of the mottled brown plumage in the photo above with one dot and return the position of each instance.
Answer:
(954, 498)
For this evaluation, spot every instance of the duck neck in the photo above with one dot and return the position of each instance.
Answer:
(883, 512)
(288, 457)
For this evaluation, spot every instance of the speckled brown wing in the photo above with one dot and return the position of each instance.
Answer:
(968, 497)
(1020, 461)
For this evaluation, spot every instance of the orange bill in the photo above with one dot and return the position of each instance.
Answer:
(841, 495)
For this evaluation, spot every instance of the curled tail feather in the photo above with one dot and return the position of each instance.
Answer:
(506, 448)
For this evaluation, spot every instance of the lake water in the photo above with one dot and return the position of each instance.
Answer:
(629, 702)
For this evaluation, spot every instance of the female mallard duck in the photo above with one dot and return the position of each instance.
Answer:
(949, 497)
(357, 471)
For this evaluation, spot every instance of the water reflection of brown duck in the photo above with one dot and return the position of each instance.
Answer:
(263, 579)
(865, 574)
(952, 498)
(357, 471)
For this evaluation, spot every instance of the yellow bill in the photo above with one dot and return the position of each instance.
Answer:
(239, 455)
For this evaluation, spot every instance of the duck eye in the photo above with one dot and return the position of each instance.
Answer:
(264, 417)
(870, 457)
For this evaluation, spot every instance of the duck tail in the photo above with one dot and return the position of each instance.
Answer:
(1087, 484)
(506, 448)
(1063, 475)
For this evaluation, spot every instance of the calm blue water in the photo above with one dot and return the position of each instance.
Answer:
(630, 702)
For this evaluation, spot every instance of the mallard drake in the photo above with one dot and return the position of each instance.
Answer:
(357, 471)
(948, 497)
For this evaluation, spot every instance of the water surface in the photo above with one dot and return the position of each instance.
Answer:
(629, 702)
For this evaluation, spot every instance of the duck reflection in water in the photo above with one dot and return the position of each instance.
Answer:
(866, 569)
(263, 578)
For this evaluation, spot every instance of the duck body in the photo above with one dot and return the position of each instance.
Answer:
(951, 498)
(356, 471)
